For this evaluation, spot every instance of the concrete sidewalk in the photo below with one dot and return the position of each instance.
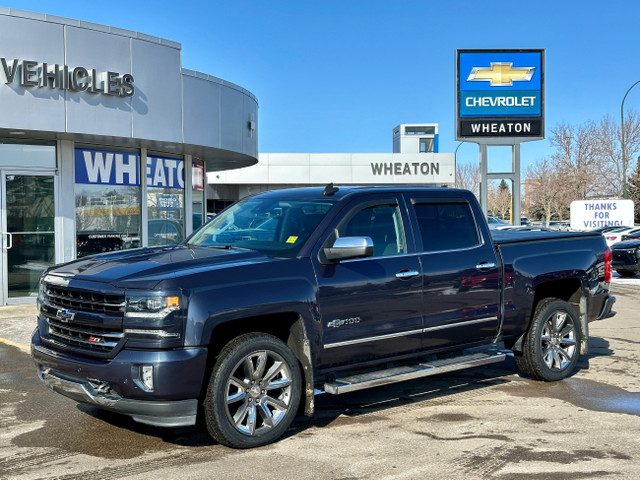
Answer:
(16, 325)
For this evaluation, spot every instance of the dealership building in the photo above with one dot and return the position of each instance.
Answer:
(415, 160)
(106, 143)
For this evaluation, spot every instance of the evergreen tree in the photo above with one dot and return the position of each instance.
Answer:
(633, 192)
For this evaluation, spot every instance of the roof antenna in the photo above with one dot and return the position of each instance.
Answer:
(329, 190)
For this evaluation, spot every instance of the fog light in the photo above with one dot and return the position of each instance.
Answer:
(146, 376)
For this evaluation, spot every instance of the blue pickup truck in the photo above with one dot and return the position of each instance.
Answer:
(293, 292)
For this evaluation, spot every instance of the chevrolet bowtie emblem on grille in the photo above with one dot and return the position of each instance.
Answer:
(65, 315)
(501, 74)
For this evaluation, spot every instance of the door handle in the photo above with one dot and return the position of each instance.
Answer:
(7, 245)
(405, 274)
(485, 266)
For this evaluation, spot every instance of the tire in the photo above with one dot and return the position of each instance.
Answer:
(551, 346)
(626, 273)
(253, 392)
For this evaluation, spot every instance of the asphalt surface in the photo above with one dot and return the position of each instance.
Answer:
(482, 423)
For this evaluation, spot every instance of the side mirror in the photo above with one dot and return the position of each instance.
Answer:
(346, 248)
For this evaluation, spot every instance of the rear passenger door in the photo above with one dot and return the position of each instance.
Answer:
(460, 268)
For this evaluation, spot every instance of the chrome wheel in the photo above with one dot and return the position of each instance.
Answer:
(558, 341)
(551, 346)
(258, 392)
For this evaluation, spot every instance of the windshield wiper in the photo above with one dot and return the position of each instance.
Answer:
(227, 247)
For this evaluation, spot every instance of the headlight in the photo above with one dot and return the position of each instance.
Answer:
(154, 307)
(153, 317)
(638, 254)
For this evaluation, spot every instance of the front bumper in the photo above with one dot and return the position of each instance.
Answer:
(115, 385)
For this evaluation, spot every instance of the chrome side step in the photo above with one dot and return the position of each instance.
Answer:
(400, 374)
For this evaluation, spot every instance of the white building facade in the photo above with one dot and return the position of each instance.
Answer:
(104, 143)
(285, 170)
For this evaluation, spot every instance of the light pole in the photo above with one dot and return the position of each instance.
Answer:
(623, 143)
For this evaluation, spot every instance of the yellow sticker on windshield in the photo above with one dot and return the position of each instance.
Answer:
(292, 239)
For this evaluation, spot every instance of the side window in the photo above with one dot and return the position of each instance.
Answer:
(383, 223)
(446, 226)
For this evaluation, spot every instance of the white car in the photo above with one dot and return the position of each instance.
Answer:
(614, 236)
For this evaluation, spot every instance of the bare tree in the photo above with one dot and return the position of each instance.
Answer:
(468, 177)
(578, 158)
(614, 168)
(549, 192)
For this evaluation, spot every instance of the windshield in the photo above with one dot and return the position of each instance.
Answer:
(275, 227)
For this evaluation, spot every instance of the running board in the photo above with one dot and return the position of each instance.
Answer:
(400, 374)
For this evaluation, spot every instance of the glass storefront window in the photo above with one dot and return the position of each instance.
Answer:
(107, 190)
(165, 200)
(30, 214)
(27, 153)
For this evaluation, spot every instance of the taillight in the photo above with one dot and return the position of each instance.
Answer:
(607, 265)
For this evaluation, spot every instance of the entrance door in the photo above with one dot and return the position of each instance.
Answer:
(27, 234)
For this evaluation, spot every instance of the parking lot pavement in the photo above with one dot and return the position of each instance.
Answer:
(484, 423)
(616, 279)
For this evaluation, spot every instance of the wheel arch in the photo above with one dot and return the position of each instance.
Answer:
(288, 326)
(571, 290)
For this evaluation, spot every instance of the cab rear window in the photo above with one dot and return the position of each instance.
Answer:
(446, 226)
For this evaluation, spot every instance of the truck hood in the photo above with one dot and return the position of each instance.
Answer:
(147, 267)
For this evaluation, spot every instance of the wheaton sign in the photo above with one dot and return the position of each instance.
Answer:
(500, 93)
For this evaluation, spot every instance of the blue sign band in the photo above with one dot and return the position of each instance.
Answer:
(512, 103)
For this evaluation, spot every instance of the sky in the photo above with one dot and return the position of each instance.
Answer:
(336, 76)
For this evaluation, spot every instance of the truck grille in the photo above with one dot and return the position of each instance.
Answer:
(82, 300)
(84, 321)
(93, 338)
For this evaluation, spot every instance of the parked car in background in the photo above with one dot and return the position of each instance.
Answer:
(631, 236)
(626, 257)
(615, 236)
(93, 242)
(495, 222)
(603, 230)
(564, 226)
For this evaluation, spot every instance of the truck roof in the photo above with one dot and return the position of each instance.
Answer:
(343, 191)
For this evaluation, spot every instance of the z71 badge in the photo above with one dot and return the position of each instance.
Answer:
(341, 322)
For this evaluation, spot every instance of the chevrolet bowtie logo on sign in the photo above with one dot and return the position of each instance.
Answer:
(501, 74)
(500, 94)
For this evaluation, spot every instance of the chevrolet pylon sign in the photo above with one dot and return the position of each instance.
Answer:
(500, 94)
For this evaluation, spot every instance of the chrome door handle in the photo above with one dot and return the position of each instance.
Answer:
(407, 274)
(485, 266)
